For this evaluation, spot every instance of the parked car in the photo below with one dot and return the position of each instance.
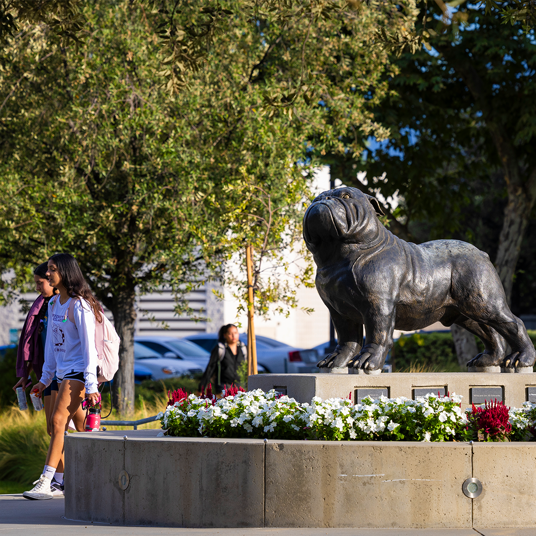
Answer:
(322, 348)
(175, 348)
(162, 368)
(141, 373)
(272, 356)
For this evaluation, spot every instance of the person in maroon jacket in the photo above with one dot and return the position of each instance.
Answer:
(30, 352)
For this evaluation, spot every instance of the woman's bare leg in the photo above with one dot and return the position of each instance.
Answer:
(78, 419)
(68, 400)
(49, 403)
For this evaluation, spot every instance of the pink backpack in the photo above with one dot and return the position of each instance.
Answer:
(107, 343)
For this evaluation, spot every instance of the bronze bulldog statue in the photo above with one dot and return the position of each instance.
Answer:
(366, 275)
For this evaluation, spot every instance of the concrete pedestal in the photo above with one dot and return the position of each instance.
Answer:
(477, 388)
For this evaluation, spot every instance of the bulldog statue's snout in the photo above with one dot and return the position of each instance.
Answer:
(319, 222)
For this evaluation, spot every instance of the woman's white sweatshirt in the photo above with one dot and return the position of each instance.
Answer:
(70, 347)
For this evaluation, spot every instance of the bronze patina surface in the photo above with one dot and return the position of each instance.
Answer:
(368, 276)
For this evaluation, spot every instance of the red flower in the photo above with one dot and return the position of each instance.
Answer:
(491, 421)
(176, 396)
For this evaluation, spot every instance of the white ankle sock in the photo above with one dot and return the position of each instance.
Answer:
(49, 471)
(58, 477)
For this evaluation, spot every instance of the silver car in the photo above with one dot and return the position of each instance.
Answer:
(163, 368)
(272, 356)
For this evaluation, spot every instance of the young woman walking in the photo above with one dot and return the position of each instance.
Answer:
(70, 352)
(31, 356)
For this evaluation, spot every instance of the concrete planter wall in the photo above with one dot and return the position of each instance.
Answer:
(188, 482)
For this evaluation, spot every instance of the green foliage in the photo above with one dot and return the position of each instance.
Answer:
(426, 350)
(441, 153)
(8, 487)
(242, 373)
(23, 445)
(150, 392)
(8, 379)
(146, 188)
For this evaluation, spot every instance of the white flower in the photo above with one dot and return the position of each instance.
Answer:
(392, 425)
(443, 416)
(427, 436)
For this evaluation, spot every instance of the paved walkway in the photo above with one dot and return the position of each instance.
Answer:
(19, 516)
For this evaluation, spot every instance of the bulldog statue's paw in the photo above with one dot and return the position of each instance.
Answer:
(485, 359)
(371, 357)
(526, 358)
(339, 358)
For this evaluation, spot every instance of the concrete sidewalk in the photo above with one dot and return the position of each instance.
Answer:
(46, 518)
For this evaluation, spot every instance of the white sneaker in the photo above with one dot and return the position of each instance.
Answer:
(41, 490)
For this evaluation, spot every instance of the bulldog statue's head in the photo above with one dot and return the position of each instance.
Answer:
(343, 215)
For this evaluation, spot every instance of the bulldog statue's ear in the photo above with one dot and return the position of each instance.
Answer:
(375, 203)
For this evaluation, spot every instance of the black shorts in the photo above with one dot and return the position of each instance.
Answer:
(78, 376)
(52, 387)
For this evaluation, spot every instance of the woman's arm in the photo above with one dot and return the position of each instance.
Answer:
(49, 366)
(26, 380)
(84, 320)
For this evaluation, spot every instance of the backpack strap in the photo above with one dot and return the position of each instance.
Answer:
(221, 351)
(70, 310)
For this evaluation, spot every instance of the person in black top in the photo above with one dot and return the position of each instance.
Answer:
(225, 359)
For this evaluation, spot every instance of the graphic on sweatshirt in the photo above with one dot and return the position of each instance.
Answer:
(59, 336)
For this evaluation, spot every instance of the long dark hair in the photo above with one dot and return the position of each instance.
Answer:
(73, 281)
(223, 331)
(41, 270)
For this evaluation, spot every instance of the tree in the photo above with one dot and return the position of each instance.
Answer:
(188, 29)
(148, 188)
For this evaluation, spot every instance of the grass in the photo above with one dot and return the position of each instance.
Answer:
(421, 368)
(24, 440)
(7, 487)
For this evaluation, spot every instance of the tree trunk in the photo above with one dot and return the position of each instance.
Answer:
(124, 311)
(465, 345)
(516, 218)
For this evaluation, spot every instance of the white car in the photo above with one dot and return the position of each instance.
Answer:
(163, 368)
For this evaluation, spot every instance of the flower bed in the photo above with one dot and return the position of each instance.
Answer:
(256, 414)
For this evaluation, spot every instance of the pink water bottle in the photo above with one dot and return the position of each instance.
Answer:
(93, 418)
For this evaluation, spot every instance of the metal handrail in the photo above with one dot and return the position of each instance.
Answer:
(134, 424)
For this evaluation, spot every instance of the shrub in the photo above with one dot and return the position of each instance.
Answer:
(8, 378)
(434, 352)
(256, 414)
